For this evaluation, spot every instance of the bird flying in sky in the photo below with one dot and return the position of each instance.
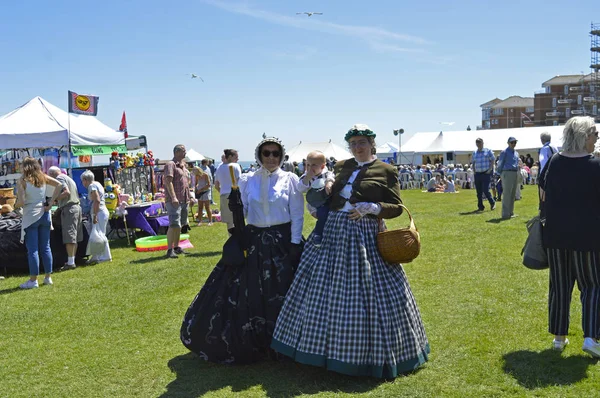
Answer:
(310, 14)
(194, 76)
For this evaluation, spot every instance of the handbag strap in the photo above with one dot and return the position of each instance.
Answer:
(412, 221)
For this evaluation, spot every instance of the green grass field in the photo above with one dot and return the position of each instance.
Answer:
(112, 330)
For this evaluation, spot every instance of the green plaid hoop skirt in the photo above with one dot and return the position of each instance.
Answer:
(348, 310)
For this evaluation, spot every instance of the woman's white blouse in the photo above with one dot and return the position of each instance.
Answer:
(272, 199)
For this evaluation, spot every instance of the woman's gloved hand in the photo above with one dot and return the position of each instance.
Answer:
(361, 209)
(295, 253)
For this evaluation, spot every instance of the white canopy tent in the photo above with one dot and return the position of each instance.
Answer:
(463, 142)
(387, 150)
(39, 124)
(193, 156)
(330, 149)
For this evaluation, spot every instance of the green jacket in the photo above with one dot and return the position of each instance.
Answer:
(377, 183)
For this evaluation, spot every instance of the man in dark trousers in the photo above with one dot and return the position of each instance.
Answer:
(483, 167)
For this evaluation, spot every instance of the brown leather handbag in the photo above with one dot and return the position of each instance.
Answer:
(400, 245)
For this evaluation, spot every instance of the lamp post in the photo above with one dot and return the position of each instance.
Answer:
(399, 133)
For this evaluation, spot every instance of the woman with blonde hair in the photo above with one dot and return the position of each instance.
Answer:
(570, 196)
(36, 223)
(202, 193)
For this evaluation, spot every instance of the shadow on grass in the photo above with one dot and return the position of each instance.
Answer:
(497, 220)
(149, 259)
(204, 254)
(11, 290)
(195, 377)
(468, 213)
(546, 368)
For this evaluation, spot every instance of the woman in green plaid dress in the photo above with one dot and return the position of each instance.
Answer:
(347, 309)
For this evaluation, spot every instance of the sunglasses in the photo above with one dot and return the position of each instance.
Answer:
(266, 153)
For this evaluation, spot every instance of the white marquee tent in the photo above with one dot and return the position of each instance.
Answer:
(463, 142)
(299, 152)
(39, 124)
(387, 150)
(193, 156)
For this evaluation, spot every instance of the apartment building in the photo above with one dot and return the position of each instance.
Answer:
(563, 97)
(514, 111)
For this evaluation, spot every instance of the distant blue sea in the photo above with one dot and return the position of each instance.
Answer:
(244, 164)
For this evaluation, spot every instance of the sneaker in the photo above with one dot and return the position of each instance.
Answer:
(210, 224)
(48, 281)
(481, 209)
(493, 206)
(179, 250)
(91, 262)
(67, 267)
(559, 345)
(591, 347)
(29, 284)
(171, 254)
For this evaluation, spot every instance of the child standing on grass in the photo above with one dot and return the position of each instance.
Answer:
(317, 182)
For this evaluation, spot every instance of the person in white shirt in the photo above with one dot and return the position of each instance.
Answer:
(450, 187)
(223, 183)
(232, 318)
(547, 150)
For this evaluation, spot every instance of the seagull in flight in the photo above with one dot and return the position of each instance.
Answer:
(194, 76)
(447, 123)
(310, 14)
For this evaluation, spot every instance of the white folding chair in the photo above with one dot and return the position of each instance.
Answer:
(404, 180)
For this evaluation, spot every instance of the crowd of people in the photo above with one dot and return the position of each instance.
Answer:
(37, 220)
(331, 300)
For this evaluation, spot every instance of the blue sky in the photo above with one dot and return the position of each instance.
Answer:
(384, 63)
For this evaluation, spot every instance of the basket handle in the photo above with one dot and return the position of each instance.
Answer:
(412, 221)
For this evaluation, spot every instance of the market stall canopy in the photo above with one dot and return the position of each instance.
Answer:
(330, 149)
(193, 156)
(39, 124)
(31, 125)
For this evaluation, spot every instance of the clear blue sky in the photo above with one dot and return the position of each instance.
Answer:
(384, 63)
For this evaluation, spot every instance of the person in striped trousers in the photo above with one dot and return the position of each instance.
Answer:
(571, 235)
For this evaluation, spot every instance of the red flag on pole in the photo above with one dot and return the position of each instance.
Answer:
(123, 126)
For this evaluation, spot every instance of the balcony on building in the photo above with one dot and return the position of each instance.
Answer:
(554, 114)
(577, 112)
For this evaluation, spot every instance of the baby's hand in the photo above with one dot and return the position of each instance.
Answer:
(328, 187)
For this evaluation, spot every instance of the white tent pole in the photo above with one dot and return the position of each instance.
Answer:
(70, 166)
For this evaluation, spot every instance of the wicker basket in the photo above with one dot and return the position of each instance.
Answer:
(400, 245)
(8, 201)
(7, 192)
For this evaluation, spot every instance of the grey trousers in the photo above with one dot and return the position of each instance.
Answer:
(509, 191)
(226, 215)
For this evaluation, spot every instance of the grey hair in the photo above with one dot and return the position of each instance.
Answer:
(545, 137)
(178, 148)
(576, 132)
(54, 171)
(87, 176)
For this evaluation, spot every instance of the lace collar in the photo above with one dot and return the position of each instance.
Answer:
(361, 164)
